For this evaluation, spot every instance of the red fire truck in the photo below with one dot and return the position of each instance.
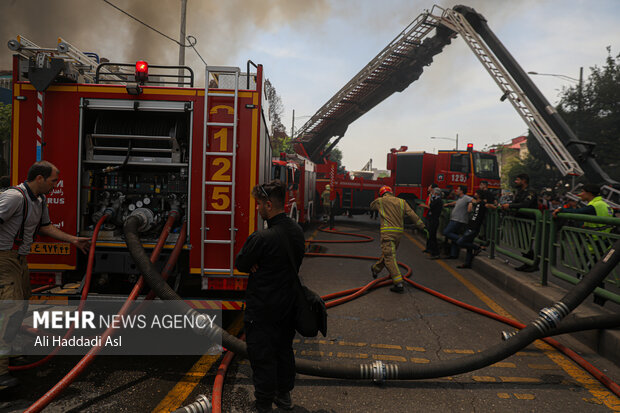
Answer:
(410, 175)
(299, 175)
(128, 137)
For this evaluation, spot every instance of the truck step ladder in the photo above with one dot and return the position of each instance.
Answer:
(219, 215)
(558, 153)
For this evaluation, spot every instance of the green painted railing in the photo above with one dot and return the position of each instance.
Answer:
(573, 250)
(560, 247)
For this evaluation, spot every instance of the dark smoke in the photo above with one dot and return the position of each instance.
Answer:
(221, 27)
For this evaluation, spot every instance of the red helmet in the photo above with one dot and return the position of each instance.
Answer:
(384, 189)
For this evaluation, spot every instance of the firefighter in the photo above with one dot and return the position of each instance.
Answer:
(392, 213)
(23, 213)
(326, 203)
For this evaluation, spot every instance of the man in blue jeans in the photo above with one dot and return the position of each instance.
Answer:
(458, 220)
(478, 209)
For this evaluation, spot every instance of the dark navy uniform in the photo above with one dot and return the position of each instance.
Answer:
(270, 299)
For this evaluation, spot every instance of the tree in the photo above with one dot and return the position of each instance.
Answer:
(280, 142)
(594, 115)
(336, 156)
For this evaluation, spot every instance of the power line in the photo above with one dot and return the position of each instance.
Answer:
(192, 41)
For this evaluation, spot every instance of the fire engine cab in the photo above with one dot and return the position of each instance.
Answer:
(299, 176)
(410, 175)
(141, 138)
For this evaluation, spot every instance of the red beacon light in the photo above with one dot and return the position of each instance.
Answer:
(470, 147)
(142, 71)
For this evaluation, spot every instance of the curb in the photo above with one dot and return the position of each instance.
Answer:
(530, 292)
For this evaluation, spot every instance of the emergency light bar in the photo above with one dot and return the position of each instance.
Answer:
(470, 147)
(142, 71)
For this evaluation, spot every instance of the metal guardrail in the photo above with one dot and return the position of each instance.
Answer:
(574, 248)
(560, 247)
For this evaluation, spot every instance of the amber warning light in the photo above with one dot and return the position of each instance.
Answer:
(142, 71)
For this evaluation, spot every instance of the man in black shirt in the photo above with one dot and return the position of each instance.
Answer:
(524, 198)
(270, 298)
(478, 210)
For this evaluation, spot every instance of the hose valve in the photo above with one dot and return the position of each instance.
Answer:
(201, 405)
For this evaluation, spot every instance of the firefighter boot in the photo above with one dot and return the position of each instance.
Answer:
(284, 401)
(398, 288)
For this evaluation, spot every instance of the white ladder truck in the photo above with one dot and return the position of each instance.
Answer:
(402, 62)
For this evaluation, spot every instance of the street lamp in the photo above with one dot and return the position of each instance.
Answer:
(571, 79)
(450, 139)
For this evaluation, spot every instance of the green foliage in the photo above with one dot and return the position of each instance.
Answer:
(5, 122)
(594, 115)
(280, 142)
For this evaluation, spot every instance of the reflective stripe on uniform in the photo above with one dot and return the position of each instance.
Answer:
(396, 278)
(392, 229)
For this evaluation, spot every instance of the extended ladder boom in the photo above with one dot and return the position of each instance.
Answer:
(402, 62)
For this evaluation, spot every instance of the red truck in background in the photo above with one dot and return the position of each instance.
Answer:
(410, 175)
(299, 175)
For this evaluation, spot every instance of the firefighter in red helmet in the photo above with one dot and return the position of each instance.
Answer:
(392, 211)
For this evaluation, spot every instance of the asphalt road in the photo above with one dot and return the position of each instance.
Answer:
(411, 328)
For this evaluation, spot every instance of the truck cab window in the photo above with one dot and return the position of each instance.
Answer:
(460, 163)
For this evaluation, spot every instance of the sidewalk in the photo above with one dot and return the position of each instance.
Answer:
(526, 288)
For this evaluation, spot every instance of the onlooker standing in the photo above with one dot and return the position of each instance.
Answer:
(458, 220)
(478, 210)
(23, 214)
(434, 212)
(426, 207)
(524, 198)
(270, 298)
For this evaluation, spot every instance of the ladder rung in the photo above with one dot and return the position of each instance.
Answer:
(225, 95)
(220, 153)
(217, 241)
(216, 270)
(218, 212)
(218, 183)
(231, 125)
(223, 69)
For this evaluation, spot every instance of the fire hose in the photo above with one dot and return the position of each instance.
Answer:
(85, 290)
(548, 320)
(90, 356)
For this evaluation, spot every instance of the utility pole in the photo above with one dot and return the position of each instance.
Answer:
(293, 125)
(457, 141)
(182, 41)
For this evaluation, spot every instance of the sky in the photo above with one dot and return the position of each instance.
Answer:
(311, 48)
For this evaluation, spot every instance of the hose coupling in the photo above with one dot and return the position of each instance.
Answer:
(145, 216)
(551, 316)
(201, 405)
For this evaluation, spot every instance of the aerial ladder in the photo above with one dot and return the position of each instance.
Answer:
(402, 62)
